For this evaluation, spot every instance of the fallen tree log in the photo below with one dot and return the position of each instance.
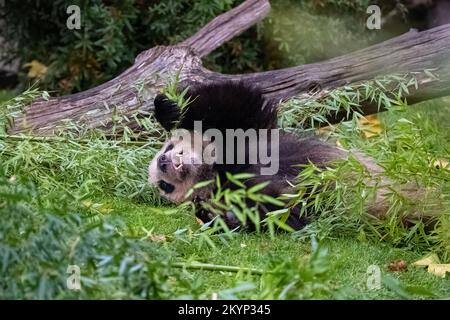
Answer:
(133, 91)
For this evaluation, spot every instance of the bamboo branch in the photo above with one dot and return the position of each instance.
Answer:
(216, 267)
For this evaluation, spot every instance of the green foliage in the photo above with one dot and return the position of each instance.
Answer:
(310, 110)
(300, 278)
(9, 109)
(226, 200)
(82, 162)
(92, 165)
(326, 29)
(6, 95)
(407, 150)
(41, 238)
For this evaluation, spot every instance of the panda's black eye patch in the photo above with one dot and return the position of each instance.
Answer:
(165, 186)
(169, 147)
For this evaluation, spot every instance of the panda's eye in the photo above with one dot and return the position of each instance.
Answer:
(169, 147)
(165, 186)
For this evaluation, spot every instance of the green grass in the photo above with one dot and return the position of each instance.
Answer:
(6, 95)
(350, 257)
(65, 201)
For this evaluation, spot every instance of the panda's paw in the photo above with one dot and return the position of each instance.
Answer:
(231, 220)
(204, 215)
(167, 112)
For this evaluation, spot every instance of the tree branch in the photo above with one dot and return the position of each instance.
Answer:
(227, 26)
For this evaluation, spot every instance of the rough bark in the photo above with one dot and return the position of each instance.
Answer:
(133, 90)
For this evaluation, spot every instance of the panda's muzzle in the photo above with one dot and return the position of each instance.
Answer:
(172, 165)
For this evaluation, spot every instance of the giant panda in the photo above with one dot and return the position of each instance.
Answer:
(236, 105)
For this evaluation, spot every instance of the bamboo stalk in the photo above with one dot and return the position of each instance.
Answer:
(216, 267)
(64, 139)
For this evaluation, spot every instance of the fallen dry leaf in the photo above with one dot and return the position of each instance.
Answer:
(370, 125)
(430, 259)
(37, 69)
(200, 222)
(157, 238)
(439, 269)
(326, 131)
(434, 265)
(441, 164)
(398, 266)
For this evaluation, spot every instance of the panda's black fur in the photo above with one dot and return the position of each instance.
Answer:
(234, 105)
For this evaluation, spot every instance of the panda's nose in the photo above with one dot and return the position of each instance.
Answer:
(163, 160)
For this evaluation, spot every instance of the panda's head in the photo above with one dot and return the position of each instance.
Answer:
(178, 166)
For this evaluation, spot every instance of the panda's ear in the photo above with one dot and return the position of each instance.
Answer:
(167, 112)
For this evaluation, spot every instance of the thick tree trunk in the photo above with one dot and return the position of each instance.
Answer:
(133, 91)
